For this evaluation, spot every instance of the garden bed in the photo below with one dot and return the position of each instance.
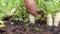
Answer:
(19, 27)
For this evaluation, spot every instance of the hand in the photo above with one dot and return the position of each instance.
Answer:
(31, 7)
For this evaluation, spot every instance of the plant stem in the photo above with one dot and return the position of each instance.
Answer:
(12, 12)
(32, 19)
(49, 20)
(57, 19)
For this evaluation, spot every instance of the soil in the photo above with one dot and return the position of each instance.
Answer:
(20, 27)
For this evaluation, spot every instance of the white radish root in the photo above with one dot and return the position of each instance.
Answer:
(57, 19)
(32, 19)
(49, 20)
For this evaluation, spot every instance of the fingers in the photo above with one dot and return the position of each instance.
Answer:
(31, 7)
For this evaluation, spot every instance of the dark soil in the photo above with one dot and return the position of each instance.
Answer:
(19, 27)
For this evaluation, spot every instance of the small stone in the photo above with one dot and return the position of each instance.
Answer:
(36, 28)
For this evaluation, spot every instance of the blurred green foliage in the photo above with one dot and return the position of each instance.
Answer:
(7, 5)
(50, 6)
